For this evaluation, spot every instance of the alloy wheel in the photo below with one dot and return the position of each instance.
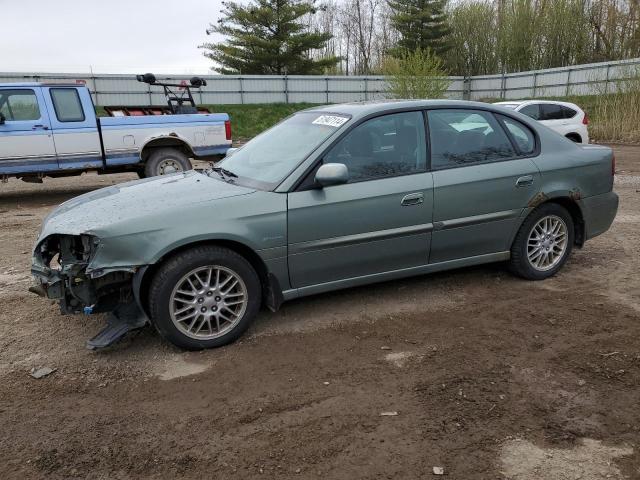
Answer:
(208, 302)
(547, 243)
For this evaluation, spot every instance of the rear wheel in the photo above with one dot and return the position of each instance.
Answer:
(163, 161)
(205, 297)
(543, 243)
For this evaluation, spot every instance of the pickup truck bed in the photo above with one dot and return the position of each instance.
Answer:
(52, 130)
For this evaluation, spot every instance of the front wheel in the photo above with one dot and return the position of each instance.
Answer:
(543, 243)
(204, 297)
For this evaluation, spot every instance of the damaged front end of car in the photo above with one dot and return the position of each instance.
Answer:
(63, 269)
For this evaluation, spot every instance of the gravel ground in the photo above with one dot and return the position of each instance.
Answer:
(477, 372)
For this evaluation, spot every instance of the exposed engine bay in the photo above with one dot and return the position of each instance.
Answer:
(61, 264)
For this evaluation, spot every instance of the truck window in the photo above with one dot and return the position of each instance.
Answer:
(66, 103)
(19, 105)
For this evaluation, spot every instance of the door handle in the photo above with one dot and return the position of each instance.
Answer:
(412, 199)
(39, 127)
(525, 181)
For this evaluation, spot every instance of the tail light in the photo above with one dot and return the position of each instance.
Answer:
(613, 165)
(227, 129)
(585, 119)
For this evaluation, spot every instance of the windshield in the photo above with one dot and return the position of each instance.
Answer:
(267, 159)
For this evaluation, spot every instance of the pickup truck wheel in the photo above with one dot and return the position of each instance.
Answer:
(204, 297)
(543, 243)
(166, 160)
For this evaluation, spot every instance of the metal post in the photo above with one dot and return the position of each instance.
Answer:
(366, 88)
(503, 86)
(241, 91)
(327, 88)
(466, 88)
(95, 89)
(286, 89)
(606, 82)
(535, 83)
(568, 90)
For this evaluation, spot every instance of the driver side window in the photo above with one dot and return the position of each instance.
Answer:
(19, 105)
(386, 146)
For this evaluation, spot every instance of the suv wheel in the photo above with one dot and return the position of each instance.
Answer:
(204, 297)
(543, 243)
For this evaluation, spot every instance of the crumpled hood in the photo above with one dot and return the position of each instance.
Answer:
(136, 203)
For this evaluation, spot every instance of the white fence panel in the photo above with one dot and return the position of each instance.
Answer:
(115, 89)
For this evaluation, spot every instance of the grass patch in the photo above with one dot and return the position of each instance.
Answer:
(249, 120)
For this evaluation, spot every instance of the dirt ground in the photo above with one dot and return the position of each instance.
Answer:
(474, 371)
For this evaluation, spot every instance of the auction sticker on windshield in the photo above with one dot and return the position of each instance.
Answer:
(330, 120)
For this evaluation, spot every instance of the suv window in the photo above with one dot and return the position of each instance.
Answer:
(550, 111)
(568, 112)
(66, 103)
(384, 146)
(522, 135)
(464, 137)
(532, 111)
(19, 105)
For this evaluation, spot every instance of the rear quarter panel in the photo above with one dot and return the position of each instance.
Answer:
(575, 170)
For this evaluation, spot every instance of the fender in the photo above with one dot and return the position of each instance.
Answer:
(166, 140)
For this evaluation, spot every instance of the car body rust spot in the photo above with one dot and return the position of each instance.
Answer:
(537, 199)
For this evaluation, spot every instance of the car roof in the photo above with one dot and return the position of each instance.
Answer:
(529, 102)
(360, 109)
(41, 84)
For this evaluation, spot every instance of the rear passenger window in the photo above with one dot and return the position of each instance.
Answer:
(550, 111)
(66, 103)
(465, 137)
(568, 112)
(523, 136)
(532, 111)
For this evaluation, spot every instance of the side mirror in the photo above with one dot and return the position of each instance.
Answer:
(332, 174)
(2, 119)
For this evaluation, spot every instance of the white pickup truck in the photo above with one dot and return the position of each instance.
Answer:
(52, 130)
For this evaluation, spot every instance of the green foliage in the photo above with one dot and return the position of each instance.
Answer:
(473, 43)
(421, 24)
(268, 37)
(534, 34)
(493, 36)
(415, 74)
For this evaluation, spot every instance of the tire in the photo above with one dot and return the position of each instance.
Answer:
(174, 304)
(162, 161)
(528, 258)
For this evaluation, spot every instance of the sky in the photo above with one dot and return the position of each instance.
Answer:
(108, 36)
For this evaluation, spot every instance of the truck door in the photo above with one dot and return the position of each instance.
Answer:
(26, 140)
(75, 128)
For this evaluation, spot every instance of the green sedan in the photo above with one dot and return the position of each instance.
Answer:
(331, 197)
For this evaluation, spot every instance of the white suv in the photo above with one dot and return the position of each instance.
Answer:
(565, 118)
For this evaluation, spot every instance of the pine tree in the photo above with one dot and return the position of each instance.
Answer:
(267, 37)
(421, 24)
